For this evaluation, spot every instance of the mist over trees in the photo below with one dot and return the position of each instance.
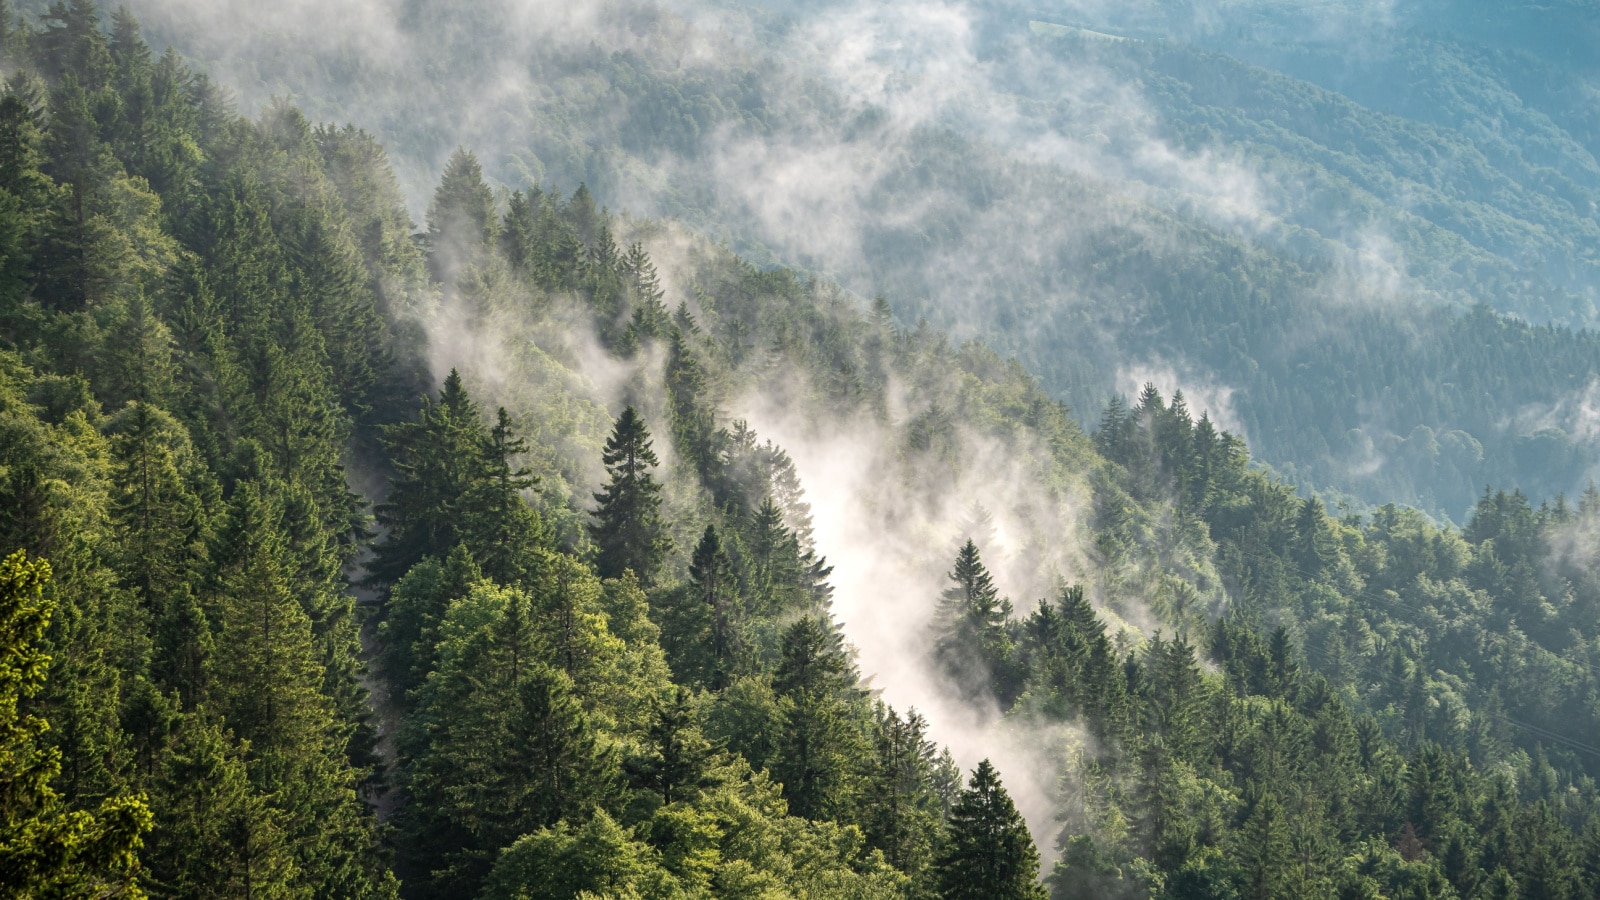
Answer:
(1297, 212)
(347, 557)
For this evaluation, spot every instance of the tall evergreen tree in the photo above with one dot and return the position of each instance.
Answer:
(270, 685)
(693, 417)
(712, 578)
(461, 219)
(650, 318)
(972, 644)
(498, 746)
(455, 483)
(900, 811)
(677, 761)
(817, 746)
(628, 530)
(987, 852)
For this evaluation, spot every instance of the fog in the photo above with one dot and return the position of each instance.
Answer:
(939, 151)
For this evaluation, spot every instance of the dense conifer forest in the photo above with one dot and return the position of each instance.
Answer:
(346, 556)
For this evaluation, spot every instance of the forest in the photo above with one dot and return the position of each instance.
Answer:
(347, 556)
(1373, 246)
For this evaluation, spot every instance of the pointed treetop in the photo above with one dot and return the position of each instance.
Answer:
(988, 852)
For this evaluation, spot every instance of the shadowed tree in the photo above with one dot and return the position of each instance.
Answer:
(988, 853)
(628, 529)
(46, 849)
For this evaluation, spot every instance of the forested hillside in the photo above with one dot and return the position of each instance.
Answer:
(1292, 210)
(601, 648)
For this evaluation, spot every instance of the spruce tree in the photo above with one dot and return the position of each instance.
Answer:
(693, 417)
(270, 684)
(628, 530)
(987, 852)
(650, 317)
(498, 746)
(972, 644)
(461, 218)
(899, 811)
(454, 484)
(495, 522)
(676, 762)
(816, 746)
(712, 581)
(203, 798)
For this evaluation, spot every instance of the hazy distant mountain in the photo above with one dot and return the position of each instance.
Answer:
(1266, 204)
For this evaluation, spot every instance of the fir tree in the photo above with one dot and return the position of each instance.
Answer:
(677, 761)
(461, 217)
(972, 644)
(987, 852)
(816, 746)
(628, 530)
(650, 317)
(712, 579)
(693, 419)
(455, 484)
(901, 814)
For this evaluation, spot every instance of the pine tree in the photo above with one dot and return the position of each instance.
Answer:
(494, 520)
(162, 527)
(628, 530)
(270, 685)
(987, 852)
(650, 317)
(1263, 848)
(204, 798)
(693, 418)
(677, 761)
(454, 484)
(1177, 694)
(329, 274)
(138, 361)
(416, 606)
(498, 746)
(158, 509)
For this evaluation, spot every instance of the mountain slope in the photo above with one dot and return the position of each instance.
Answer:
(1106, 211)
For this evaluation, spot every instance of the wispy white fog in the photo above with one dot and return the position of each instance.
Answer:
(891, 539)
(974, 168)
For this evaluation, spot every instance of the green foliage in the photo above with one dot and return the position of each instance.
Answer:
(988, 852)
(206, 320)
(48, 850)
(628, 530)
(597, 859)
(974, 645)
(456, 484)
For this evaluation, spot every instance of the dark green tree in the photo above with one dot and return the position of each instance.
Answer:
(899, 810)
(628, 530)
(816, 746)
(455, 483)
(676, 763)
(713, 584)
(987, 852)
